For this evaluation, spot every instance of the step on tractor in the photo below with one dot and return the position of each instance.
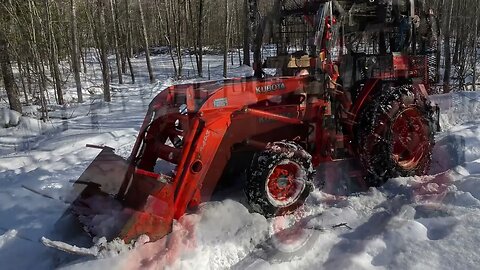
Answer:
(337, 84)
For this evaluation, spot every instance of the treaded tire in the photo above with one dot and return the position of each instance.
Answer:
(396, 117)
(264, 165)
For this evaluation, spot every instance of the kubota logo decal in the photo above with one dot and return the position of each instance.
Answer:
(205, 139)
(270, 88)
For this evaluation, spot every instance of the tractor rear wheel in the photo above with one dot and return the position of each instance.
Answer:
(279, 179)
(395, 134)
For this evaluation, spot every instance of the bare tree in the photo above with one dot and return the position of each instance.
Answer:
(39, 68)
(8, 79)
(128, 47)
(198, 44)
(103, 50)
(172, 36)
(75, 50)
(113, 7)
(145, 43)
(247, 33)
(474, 45)
(227, 38)
(53, 53)
(448, 56)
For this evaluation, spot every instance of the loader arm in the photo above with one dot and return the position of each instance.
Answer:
(194, 129)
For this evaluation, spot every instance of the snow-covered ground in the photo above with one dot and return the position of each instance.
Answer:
(427, 222)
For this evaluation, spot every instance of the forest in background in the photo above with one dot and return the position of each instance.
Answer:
(43, 43)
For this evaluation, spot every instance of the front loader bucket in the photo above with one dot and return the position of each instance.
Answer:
(102, 211)
(105, 174)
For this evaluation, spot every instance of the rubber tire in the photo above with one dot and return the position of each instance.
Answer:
(262, 166)
(389, 103)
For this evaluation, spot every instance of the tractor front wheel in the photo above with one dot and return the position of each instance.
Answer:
(395, 134)
(279, 179)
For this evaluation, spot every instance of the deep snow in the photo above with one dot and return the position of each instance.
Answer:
(426, 222)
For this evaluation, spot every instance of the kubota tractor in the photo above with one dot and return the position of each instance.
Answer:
(335, 82)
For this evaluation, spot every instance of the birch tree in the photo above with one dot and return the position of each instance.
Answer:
(75, 50)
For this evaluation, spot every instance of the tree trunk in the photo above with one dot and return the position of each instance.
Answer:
(8, 79)
(247, 33)
(168, 36)
(458, 32)
(54, 55)
(174, 63)
(75, 50)
(225, 49)
(103, 51)
(128, 48)
(447, 52)
(29, 77)
(178, 44)
(474, 38)
(82, 55)
(438, 59)
(199, 41)
(113, 10)
(145, 43)
(37, 63)
(21, 71)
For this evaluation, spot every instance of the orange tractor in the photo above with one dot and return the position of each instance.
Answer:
(344, 81)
